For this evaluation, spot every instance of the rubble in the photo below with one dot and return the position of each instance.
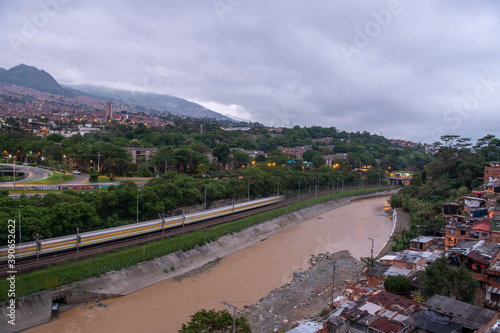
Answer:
(308, 294)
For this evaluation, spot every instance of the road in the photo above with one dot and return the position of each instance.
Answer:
(34, 174)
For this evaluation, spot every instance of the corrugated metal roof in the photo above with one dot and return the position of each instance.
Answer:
(370, 308)
(394, 270)
(422, 239)
(471, 316)
(310, 327)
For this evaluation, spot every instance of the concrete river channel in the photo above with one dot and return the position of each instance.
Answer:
(242, 278)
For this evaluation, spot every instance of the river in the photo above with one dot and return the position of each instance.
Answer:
(241, 278)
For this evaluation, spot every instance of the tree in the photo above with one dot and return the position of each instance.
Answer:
(318, 161)
(398, 284)
(222, 152)
(368, 262)
(240, 158)
(214, 321)
(309, 154)
(442, 279)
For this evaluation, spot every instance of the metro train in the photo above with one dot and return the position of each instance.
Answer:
(64, 243)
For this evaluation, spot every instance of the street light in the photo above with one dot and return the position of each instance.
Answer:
(60, 179)
(206, 196)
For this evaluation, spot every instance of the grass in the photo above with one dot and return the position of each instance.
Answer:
(54, 179)
(65, 273)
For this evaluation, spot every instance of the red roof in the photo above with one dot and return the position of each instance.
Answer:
(385, 325)
(482, 227)
(395, 302)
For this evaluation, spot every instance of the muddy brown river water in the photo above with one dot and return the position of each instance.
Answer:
(241, 279)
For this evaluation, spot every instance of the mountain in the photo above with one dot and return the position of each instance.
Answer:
(31, 77)
(163, 102)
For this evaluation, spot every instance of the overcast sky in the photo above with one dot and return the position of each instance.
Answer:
(407, 69)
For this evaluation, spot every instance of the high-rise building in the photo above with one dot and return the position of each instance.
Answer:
(109, 111)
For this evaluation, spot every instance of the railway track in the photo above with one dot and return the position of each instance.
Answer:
(32, 264)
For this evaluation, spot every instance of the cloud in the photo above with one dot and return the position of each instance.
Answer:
(395, 67)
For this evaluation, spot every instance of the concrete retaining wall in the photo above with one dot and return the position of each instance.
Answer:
(36, 310)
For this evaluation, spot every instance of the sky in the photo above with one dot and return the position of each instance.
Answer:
(405, 69)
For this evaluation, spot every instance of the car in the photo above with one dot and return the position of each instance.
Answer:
(76, 172)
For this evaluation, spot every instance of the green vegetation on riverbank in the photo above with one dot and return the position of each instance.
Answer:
(69, 272)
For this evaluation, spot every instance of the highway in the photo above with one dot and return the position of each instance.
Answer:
(34, 174)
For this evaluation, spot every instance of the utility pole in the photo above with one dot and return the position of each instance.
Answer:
(372, 239)
(162, 216)
(233, 315)
(183, 219)
(137, 210)
(78, 239)
(38, 246)
(98, 160)
(333, 281)
(278, 191)
(206, 197)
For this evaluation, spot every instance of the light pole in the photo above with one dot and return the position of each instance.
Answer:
(60, 179)
(13, 169)
(206, 196)
(137, 208)
(25, 176)
(98, 159)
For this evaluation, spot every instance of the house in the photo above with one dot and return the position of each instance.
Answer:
(476, 255)
(421, 243)
(140, 154)
(450, 209)
(377, 274)
(388, 259)
(381, 312)
(495, 229)
(492, 297)
(492, 173)
(472, 202)
(481, 230)
(455, 233)
(471, 317)
(409, 259)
